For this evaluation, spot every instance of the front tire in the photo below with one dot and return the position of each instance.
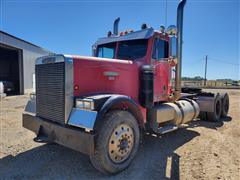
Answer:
(117, 142)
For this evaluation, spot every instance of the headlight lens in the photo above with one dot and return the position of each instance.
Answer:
(85, 104)
(79, 103)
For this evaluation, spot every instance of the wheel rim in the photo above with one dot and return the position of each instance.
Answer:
(121, 143)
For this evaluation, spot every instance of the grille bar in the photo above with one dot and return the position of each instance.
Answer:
(50, 91)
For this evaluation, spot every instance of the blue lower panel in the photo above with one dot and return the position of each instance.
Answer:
(82, 118)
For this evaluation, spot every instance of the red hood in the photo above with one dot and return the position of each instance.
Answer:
(90, 58)
(101, 75)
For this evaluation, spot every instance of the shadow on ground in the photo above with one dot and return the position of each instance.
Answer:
(210, 125)
(156, 159)
(56, 162)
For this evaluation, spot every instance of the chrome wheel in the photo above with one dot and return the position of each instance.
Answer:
(121, 143)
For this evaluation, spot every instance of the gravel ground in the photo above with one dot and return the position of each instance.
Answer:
(201, 150)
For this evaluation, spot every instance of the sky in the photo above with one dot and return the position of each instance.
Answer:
(211, 27)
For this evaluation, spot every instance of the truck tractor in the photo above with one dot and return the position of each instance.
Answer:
(131, 85)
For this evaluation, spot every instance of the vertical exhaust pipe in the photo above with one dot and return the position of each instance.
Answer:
(115, 26)
(178, 72)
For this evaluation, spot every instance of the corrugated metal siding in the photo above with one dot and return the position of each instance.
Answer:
(29, 52)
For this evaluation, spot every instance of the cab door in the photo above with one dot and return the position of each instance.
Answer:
(162, 69)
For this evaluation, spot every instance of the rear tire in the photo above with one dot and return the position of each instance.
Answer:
(216, 115)
(225, 105)
(117, 142)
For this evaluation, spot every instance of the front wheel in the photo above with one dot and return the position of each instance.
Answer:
(117, 142)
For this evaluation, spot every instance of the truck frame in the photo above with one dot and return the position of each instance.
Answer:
(101, 105)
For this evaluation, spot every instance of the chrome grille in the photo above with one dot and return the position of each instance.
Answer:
(50, 91)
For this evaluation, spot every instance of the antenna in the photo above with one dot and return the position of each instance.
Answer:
(205, 74)
(166, 13)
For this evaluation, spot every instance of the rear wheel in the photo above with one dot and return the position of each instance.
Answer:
(225, 105)
(216, 115)
(116, 143)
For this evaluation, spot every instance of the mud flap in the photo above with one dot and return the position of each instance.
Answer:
(41, 137)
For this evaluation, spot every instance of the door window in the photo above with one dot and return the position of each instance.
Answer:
(160, 49)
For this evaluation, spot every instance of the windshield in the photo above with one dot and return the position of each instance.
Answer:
(129, 50)
(133, 49)
(106, 50)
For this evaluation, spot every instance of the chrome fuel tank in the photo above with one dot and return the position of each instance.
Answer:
(178, 112)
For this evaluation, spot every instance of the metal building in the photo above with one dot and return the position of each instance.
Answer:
(17, 59)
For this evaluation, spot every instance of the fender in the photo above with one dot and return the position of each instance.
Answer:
(93, 119)
(120, 102)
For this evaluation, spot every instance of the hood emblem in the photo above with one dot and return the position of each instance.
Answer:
(111, 74)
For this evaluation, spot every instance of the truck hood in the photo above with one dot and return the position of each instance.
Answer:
(94, 75)
(91, 58)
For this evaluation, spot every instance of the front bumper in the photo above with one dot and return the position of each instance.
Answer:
(70, 137)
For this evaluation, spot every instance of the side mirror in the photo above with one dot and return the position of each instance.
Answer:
(172, 32)
(94, 50)
(173, 46)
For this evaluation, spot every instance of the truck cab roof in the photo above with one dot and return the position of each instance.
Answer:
(141, 34)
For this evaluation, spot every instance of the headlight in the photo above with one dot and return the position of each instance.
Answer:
(85, 104)
(79, 103)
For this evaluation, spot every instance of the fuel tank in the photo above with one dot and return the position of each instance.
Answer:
(178, 112)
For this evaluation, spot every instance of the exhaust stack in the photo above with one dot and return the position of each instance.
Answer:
(115, 26)
(178, 72)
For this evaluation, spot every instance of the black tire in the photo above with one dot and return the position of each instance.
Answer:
(225, 105)
(203, 116)
(101, 159)
(216, 115)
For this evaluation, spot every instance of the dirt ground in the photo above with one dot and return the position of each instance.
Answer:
(201, 150)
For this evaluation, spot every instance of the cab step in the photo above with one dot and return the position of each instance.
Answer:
(167, 129)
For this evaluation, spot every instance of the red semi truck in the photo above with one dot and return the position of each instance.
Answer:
(101, 105)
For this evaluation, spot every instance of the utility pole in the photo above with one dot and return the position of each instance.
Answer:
(205, 78)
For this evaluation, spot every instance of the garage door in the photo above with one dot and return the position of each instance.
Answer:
(11, 70)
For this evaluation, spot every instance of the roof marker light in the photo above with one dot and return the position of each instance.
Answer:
(144, 26)
(109, 33)
(162, 29)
